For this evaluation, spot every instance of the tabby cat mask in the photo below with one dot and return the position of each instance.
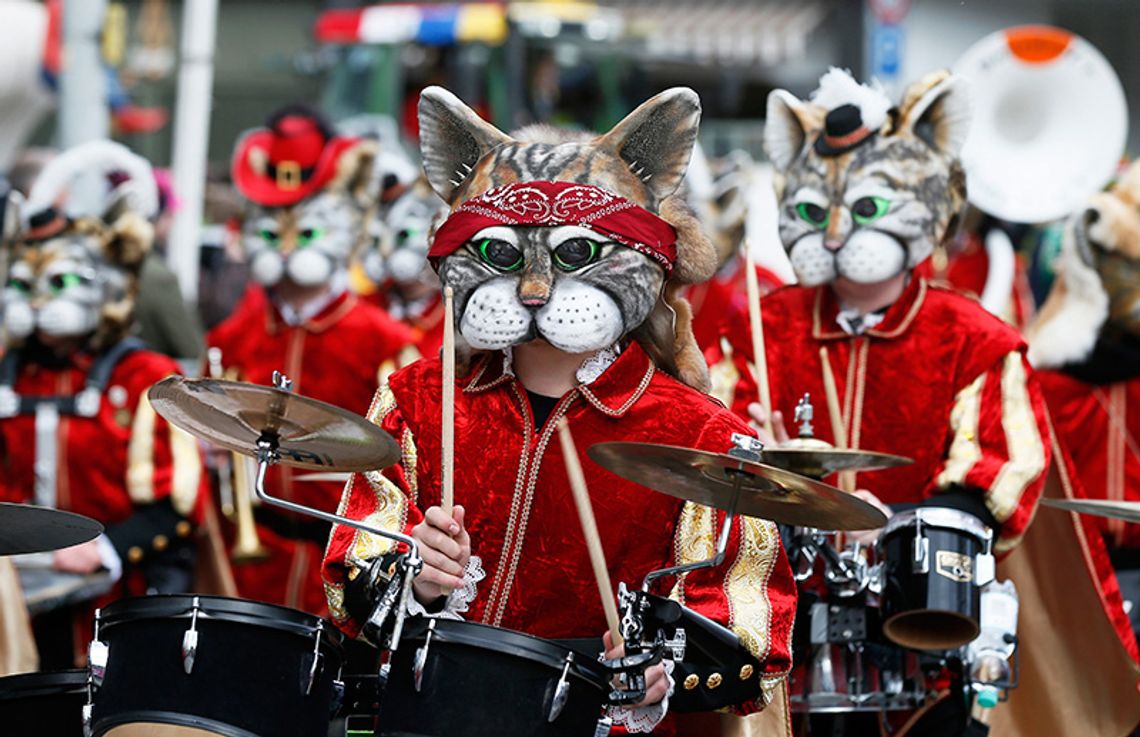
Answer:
(310, 197)
(1098, 278)
(401, 246)
(73, 270)
(866, 189)
(579, 286)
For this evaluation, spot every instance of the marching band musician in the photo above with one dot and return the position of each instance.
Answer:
(309, 196)
(566, 254)
(866, 190)
(79, 433)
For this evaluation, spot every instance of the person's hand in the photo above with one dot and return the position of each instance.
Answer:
(445, 547)
(656, 681)
(868, 537)
(758, 415)
(83, 558)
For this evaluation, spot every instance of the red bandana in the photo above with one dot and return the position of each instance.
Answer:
(559, 203)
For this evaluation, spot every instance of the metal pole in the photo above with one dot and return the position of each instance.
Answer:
(192, 138)
(83, 112)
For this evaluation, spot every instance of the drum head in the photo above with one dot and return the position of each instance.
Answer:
(1049, 123)
(931, 629)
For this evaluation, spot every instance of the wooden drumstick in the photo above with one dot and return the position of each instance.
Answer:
(447, 441)
(836, 415)
(590, 530)
(759, 360)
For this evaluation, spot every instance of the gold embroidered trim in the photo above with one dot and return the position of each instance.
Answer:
(965, 450)
(641, 387)
(334, 594)
(140, 454)
(186, 473)
(746, 585)
(693, 540)
(1022, 439)
(391, 511)
(723, 375)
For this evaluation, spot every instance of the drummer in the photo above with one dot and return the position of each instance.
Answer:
(566, 254)
(866, 190)
(78, 432)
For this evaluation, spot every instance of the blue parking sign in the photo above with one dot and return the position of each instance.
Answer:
(886, 51)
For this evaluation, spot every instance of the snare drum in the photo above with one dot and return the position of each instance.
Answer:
(40, 704)
(934, 562)
(461, 679)
(213, 665)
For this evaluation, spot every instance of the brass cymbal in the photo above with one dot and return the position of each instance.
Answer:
(765, 491)
(1127, 511)
(26, 528)
(819, 462)
(311, 434)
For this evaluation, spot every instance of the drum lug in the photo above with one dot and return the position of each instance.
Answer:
(605, 724)
(87, 730)
(921, 562)
(421, 658)
(561, 691)
(190, 638)
(315, 666)
(984, 569)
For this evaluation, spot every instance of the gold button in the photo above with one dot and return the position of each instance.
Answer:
(691, 681)
(745, 672)
(135, 554)
(183, 529)
(714, 680)
(160, 543)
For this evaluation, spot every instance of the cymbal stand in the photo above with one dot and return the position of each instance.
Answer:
(267, 454)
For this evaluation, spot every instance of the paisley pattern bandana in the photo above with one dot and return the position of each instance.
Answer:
(559, 203)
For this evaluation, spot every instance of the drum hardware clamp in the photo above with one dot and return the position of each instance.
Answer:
(314, 669)
(97, 655)
(561, 691)
(190, 638)
(420, 663)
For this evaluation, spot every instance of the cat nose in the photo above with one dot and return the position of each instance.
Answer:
(533, 292)
(832, 244)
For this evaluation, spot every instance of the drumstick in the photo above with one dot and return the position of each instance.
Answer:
(448, 422)
(837, 426)
(759, 360)
(589, 529)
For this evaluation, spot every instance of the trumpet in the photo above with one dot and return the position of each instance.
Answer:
(234, 479)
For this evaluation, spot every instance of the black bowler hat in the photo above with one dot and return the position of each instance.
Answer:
(843, 130)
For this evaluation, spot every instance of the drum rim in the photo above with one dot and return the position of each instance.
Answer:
(100, 727)
(10, 686)
(943, 518)
(218, 609)
(511, 642)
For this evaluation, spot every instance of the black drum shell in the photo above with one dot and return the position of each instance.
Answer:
(249, 671)
(929, 611)
(482, 681)
(39, 704)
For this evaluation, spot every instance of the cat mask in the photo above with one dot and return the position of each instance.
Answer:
(866, 189)
(73, 268)
(1098, 278)
(582, 241)
(310, 196)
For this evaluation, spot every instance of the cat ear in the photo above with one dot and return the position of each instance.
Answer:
(11, 212)
(656, 140)
(786, 128)
(354, 172)
(936, 110)
(452, 140)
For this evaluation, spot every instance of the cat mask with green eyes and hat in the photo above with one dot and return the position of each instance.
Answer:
(566, 237)
(866, 188)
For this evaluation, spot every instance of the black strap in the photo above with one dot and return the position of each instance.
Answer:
(97, 378)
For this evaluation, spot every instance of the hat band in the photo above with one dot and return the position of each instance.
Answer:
(289, 175)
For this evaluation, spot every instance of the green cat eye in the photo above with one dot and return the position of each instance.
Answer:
(499, 254)
(60, 282)
(20, 286)
(576, 253)
(813, 214)
(869, 209)
(268, 236)
(308, 235)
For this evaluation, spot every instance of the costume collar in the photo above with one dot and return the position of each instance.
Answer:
(895, 322)
(613, 392)
(330, 314)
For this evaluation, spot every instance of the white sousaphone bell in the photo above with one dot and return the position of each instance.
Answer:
(1050, 123)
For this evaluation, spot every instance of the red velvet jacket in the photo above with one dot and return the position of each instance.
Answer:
(426, 327)
(1099, 427)
(338, 357)
(727, 292)
(939, 380)
(113, 464)
(512, 480)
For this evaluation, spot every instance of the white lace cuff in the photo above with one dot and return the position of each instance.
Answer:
(460, 599)
(642, 719)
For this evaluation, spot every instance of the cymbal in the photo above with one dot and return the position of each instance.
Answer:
(819, 462)
(318, 476)
(26, 528)
(765, 491)
(1128, 511)
(311, 434)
